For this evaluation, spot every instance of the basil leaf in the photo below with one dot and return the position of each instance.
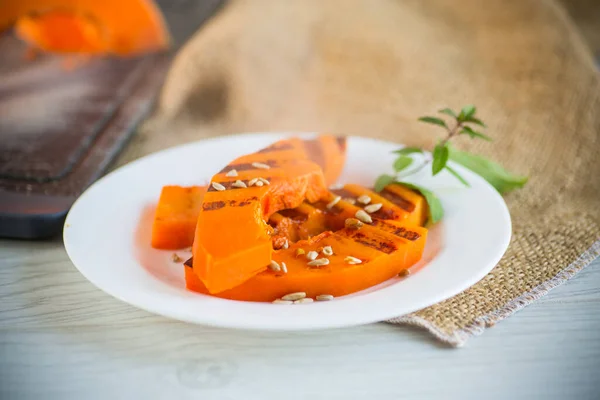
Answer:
(502, 180)
(466, 112)
(402, 162)
(449, 112)
(382, 181)
(434, 120)
(475, 121)
(474, 134)
(436, 211)
(457, 176)
(440, 158)
(408, 150)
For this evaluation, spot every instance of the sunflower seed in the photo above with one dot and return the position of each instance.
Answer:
(404, 273)
(333, 202)
(371, 208)
(238, 184)
(318, 262)
(279, 301)
(294, 296)
(283, 267)
(259, 183)
(353, 260)
(324, 297)
(304, 300)
(300, 252)
(232, 172)
(363, 216)
(364, 199)
(328, 251)
(311, 255)
(336, 186)
(274, 266)
(349, 200)
(260, 165)
(286, 244)
(353, 223)
(218, 186)
(252, 181)
(263, 180)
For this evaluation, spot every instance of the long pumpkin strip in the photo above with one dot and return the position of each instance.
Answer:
(87, 26)
(232, 242)
(383, 254)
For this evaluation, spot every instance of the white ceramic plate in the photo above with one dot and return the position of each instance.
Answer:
(107, 236)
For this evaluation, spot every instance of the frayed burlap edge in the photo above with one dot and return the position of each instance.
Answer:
(477, 327)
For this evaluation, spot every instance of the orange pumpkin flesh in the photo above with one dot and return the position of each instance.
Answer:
(232, 241)
(87, 26)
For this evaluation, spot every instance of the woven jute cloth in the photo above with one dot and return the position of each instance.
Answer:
(370, 68)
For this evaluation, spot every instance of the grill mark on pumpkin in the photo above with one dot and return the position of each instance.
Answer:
(374, 243)
(273, 148)
(249, 166)
(398, 200)
(293, 214)
(315, 152)
(384, 213)
(217, 205)
(400, 232)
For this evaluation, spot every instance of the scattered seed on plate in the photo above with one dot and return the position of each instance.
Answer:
(349, 200)
(294, 296)
(263, 180)
(175, 258)
(364, 199)
(232, 172)
(404, 273)
(279, 301)
(333, 202)
(304, 300)
(259, 183)
(363, 216)
(311, 255)
(300, 252)
(283, 267)
(353, 223)
(286, 244)
(252, 181)
(353, 260)
(371, 208)
(319, 262)
(328, 251)
(274, 266)
(238, 184)
(324, 297)
(218, 186)
(260, 165)
(336, 186)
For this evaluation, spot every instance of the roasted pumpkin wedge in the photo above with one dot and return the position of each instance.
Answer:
(326, 150)
(232, 242)
(361, 258)
(175, 217)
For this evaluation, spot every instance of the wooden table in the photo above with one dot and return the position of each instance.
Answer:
(61, 338)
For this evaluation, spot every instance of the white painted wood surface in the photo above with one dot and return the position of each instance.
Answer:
(61, 338)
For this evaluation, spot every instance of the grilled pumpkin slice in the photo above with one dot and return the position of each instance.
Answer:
(380, 251)
(232, 242)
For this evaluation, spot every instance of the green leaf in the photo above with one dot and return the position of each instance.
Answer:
(466, 112)
(440, 158)
(402, 162)
(457, 176)
(436, 211)
(473, 120)
(492, 172)
(382, 181)
(449, 112)
(434, 120)
(467, 130)
(408, 150)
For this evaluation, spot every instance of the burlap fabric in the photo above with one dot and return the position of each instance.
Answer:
(370, 68)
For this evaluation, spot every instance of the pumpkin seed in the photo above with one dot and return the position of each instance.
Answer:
(349, 200)
(238, 184)
(283, 268)
(259, 183)
(252, 181)
(353, 260)
(333, 202)
(318, 262)
(311, 255)
(336, 186)
(304, 300)
(294, 296)
(232, 172)
(263, 180)
(279, 301)
(328, 251)
(353, 223)
(286, 244)
(364, 199)
(175, 258)
(371, 208)
(324, 297)
(274, 266)
(218, 186)
(363, 216)
(404, 273)
(300, 252)
(260, 165)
